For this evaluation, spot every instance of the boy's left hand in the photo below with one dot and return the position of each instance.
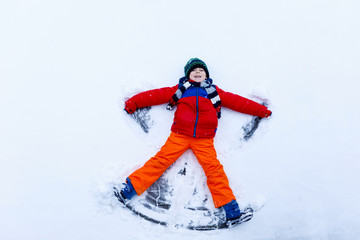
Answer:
(268, 113)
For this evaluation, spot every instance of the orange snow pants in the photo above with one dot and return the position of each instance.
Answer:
(175, 146)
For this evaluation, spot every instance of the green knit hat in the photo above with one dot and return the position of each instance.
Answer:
(195, 63)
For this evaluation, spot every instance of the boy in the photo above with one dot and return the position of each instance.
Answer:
(199, 105)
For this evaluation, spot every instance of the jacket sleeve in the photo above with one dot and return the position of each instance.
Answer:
(151, 97)
(241, 104)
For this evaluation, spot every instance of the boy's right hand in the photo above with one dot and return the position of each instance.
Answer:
(130, 107)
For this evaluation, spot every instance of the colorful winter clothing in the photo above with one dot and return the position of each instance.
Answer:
(185, 84)
(128, 190)
(232, 210)
(174, 147)
(195, 114)
(194, 127)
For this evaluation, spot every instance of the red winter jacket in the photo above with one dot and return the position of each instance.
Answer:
(195, 114)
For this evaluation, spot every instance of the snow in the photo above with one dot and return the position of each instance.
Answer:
(66, 67)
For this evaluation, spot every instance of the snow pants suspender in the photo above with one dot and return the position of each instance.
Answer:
(174, 147)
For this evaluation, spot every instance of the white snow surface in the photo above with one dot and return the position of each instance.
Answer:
(67, 66)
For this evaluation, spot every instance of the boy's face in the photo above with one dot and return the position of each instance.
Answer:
(198, 75)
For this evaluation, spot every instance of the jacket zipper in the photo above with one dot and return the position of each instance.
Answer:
(197, 110)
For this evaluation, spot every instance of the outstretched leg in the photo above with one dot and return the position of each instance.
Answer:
(145, 176)
(217, 180)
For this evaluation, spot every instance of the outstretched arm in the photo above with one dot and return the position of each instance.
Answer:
(150, 98)
(243, 105)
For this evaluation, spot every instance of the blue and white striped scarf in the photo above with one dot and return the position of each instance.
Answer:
(210, 89)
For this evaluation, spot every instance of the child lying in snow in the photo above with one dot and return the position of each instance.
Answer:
(199, 105)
